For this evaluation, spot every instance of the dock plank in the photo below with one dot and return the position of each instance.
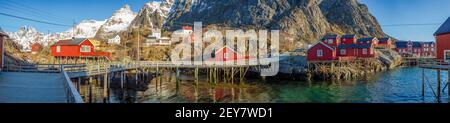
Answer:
(19, 87)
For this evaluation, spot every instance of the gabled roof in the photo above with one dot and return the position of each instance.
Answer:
(348, 36)
(326, 45)
(366, 39)
(70, 42)
(382, 40)
(444, 28)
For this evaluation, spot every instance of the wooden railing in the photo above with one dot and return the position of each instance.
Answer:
(48, 68)
(73, 96)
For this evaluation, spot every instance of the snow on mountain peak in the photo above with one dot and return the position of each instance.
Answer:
(120, 20)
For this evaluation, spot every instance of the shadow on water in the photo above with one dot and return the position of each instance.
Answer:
(401, 85)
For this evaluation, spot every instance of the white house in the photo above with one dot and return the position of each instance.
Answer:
(115, 40)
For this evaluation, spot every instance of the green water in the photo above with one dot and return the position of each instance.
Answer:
(401, 85)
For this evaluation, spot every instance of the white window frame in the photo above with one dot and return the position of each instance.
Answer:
(226, 55)
(319, 53)
(330, 41)
(58, 49)
(445, 56)
(85, 48)
(364, 51)
(343, 52)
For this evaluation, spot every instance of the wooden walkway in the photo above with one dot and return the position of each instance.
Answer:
(21, 87)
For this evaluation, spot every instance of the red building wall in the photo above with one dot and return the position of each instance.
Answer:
(220, 55)
(442, 43)
(369, 54)
(348, 40)
(328, 54)
(348, 52)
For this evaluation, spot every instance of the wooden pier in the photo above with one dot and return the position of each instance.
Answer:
(438, 66)
(70, 76)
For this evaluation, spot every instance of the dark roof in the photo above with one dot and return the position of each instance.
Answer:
(70, 42)
(348, 36)
(401, 44)
(3, 33)
(330, 36)
(344, 46)
(366, 39)
(417, 44)
(382, 40)
(444, 29)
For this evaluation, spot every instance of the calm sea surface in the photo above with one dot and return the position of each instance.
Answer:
(401, 85)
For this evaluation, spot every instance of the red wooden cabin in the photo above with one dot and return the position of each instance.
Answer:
(348, 39)
(442, 36)
(366, 51)
(321, 52)
(332, 40)
(385, 43)
(226, 54)
(36, 48)
(75, 48)
(370, 40)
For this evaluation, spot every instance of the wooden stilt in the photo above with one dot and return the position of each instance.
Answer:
(105, 87)
(438, 74)
(423, 82)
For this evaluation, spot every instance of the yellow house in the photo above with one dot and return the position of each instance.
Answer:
(96, 43)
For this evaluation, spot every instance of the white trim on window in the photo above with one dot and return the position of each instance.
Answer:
(447, 59)
(364, 51)
(58, 49)
(85, 48)
(319, 53)
(343, 52)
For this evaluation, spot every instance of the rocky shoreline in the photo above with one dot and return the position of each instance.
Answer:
(300, 69)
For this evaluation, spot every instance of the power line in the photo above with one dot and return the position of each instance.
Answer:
(421, 24)
(29, 19)
(35, 10)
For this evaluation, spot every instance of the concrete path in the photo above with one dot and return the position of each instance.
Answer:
(16, 87)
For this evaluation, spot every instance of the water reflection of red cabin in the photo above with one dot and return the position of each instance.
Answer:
(76, 48)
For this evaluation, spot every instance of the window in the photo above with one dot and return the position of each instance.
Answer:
(330, 41)
(364, 51)
(319, 53)
(225, 55)
(85, 48)
(447, 55)
(371, 51)
(58, 49)
(342, 51)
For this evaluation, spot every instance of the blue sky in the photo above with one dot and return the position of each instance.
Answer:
(388, 12)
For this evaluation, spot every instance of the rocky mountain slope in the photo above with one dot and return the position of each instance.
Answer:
(300, 21)
(118, 22)
(152, 15)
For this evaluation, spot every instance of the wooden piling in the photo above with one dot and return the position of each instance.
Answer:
(423, 82)
(196, 76)
(105, 86)
(438, 74)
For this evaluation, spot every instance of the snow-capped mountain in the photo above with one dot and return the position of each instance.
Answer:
(153, 15)
(86, 29)
(26, 36)
(118, 22)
